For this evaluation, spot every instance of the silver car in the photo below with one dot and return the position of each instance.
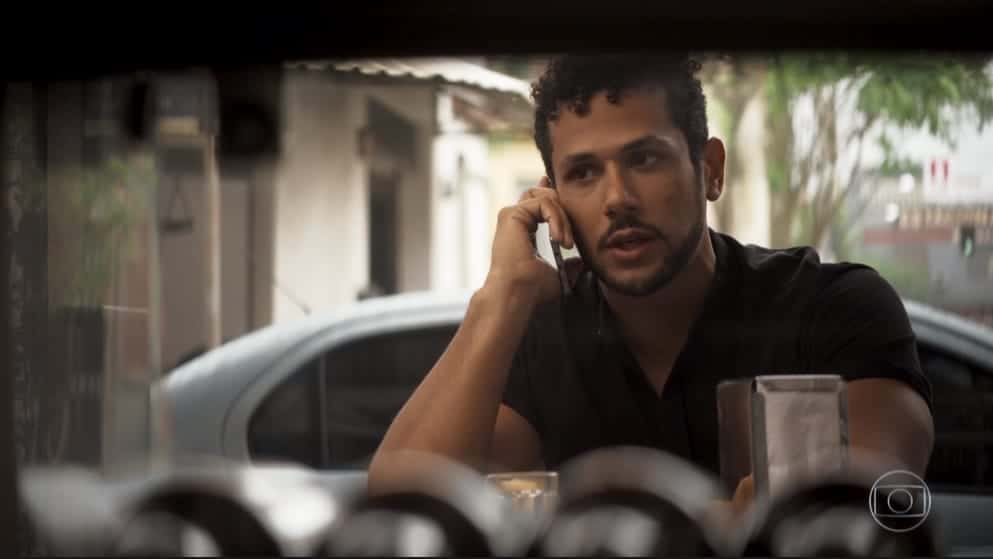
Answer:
(323, 390)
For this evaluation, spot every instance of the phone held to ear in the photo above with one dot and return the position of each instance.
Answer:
(560, 264)
(557, 254)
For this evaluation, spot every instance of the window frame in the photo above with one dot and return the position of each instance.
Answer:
(397, 380)
(313, 412)
(941, 340)
(391, 320)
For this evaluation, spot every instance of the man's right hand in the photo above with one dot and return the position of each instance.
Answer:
(457, 410)
(515, 261)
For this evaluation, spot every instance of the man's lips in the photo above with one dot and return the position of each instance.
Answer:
(629, 237)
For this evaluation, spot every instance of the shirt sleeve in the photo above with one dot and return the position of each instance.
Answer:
(518, 393)
(859, 329)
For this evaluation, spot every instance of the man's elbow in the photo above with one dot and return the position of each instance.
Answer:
(378, 475)
(914, 451)
(925, 445)
(890, 422)
(401, 470)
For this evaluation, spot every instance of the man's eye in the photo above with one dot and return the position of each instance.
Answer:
(643, 159)
(580, 174)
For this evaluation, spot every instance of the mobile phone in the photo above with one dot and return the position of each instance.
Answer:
(560, 264)
(559, 261)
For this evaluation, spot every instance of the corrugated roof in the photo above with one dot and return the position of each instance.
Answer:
(448, 70)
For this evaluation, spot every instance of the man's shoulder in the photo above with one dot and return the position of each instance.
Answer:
(764, 261)
(796, 274)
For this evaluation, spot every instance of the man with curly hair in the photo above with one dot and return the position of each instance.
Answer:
(659, 308)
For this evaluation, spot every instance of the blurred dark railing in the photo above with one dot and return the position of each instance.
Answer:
(614, 502)
(23, 151)
(8, 465)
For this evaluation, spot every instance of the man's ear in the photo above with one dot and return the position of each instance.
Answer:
(713, 168)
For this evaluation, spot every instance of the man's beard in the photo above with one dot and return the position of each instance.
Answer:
(674, 264)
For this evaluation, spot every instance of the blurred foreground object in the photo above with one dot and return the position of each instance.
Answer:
(629, 501)
(241, 511)
(622, 501)
(833, 517)
(799, 430)
(249, 103)
(787, 429)
(532, 495)
(435, 508)
(257, 510)
(70, 511)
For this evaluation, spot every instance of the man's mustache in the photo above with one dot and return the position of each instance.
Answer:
(626, 222)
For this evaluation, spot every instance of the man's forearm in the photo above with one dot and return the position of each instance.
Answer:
(453, 411)
(889, 425)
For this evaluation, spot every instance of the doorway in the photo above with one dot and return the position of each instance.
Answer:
(383, 233)
(391, 160)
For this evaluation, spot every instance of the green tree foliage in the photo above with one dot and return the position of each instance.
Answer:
(93, 212)
(857, 99)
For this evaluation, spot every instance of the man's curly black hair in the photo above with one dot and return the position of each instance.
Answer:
(571, 80)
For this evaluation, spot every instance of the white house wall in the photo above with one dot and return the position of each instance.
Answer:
(416, 104)
(320, 250)
(462, 237)
(322, 258)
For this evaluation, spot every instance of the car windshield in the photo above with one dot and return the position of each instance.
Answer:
(156, 217)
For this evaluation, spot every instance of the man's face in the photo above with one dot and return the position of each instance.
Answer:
(624, 176)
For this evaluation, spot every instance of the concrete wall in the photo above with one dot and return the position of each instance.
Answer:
(245, 264)
(462, 233)
(415, 103)
(235, 256)
(463, 195)
(320, 254)
(319, 213)
(321, 245)
(183, 290)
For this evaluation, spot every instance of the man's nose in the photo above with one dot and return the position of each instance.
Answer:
(619, 194)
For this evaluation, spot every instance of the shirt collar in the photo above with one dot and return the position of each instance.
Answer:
(607, 330)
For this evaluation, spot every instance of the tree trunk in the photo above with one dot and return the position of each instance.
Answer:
(842, 192)
(784, 210)
(824, 202)
(743, 209)
(748, 206)
(809, 165)
(784, 195)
